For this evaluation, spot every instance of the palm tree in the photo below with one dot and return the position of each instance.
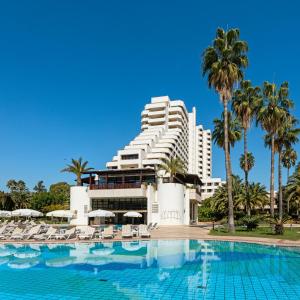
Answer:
(234, 131)
(289, 158)
(257, 196)
(223, 63)
(292, 189)
(247, 166)
(77, 167)
(250, 161)
(18, 193)
(173, 166)
(40, 187)
(271, 115)
(219, 201)
(285, 137)
(245, 104)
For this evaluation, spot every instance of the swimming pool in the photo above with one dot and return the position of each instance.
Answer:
(156, 269)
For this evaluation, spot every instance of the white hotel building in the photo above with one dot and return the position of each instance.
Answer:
(131, 181)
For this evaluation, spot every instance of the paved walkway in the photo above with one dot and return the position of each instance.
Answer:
(184, 232)
(197, 232)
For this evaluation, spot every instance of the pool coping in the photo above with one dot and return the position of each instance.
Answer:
(252, 240)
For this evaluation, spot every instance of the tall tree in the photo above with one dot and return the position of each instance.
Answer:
(271, 115)
(40, 187)
(223, 63)
(245, 104)
(6, 202)
(173, 166)
(246, 164)
(289, 158)
(19, 193)
(234, 131)
(292, 189)
(77, 167)
(286, 136)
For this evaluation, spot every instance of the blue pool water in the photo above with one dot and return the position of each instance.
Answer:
(178, 269)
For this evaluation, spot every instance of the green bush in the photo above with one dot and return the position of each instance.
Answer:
(206, 213)
(278, 225)
(251, 222)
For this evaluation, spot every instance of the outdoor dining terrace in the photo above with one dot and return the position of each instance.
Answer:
(119, 179)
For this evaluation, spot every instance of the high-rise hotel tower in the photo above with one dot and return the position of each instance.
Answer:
(168, 130)
(131, 183)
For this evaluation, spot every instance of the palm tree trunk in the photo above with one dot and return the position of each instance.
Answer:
(288, 200)
(272, 200)
(246, 172)
(228, 169)
(79, 181)
(279, 185)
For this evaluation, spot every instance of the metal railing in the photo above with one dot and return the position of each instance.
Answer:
(113, 186)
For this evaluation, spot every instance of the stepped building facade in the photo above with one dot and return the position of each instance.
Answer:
(168, 130)
(132, 182)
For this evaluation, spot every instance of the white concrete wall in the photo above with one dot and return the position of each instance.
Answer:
(151, 199)
(80, 202)
(187, 206)
(171, 203)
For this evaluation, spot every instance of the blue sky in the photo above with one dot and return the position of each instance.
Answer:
(75, 75)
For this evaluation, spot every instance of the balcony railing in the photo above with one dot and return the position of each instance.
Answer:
(113, 186)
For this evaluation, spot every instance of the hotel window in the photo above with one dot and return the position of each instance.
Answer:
(129, 156)
(120, 204)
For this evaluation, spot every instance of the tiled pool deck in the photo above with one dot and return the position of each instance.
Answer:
(189, 232)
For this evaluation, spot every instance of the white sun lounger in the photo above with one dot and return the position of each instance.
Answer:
(126, 231)
(87, 233)
(143, 231)
(155, 226)
(108, 232)
(47, 235)
(65, 236)
(16, 232)
(3, 229)
(26, 234)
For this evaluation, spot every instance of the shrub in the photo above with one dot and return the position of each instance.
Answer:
(278, 225)
(251, 222)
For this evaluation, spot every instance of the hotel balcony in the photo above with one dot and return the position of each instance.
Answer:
(118, 183)
(156, 106)
(157, 121)
(112, 164)
(156, 114)
(144, 113)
